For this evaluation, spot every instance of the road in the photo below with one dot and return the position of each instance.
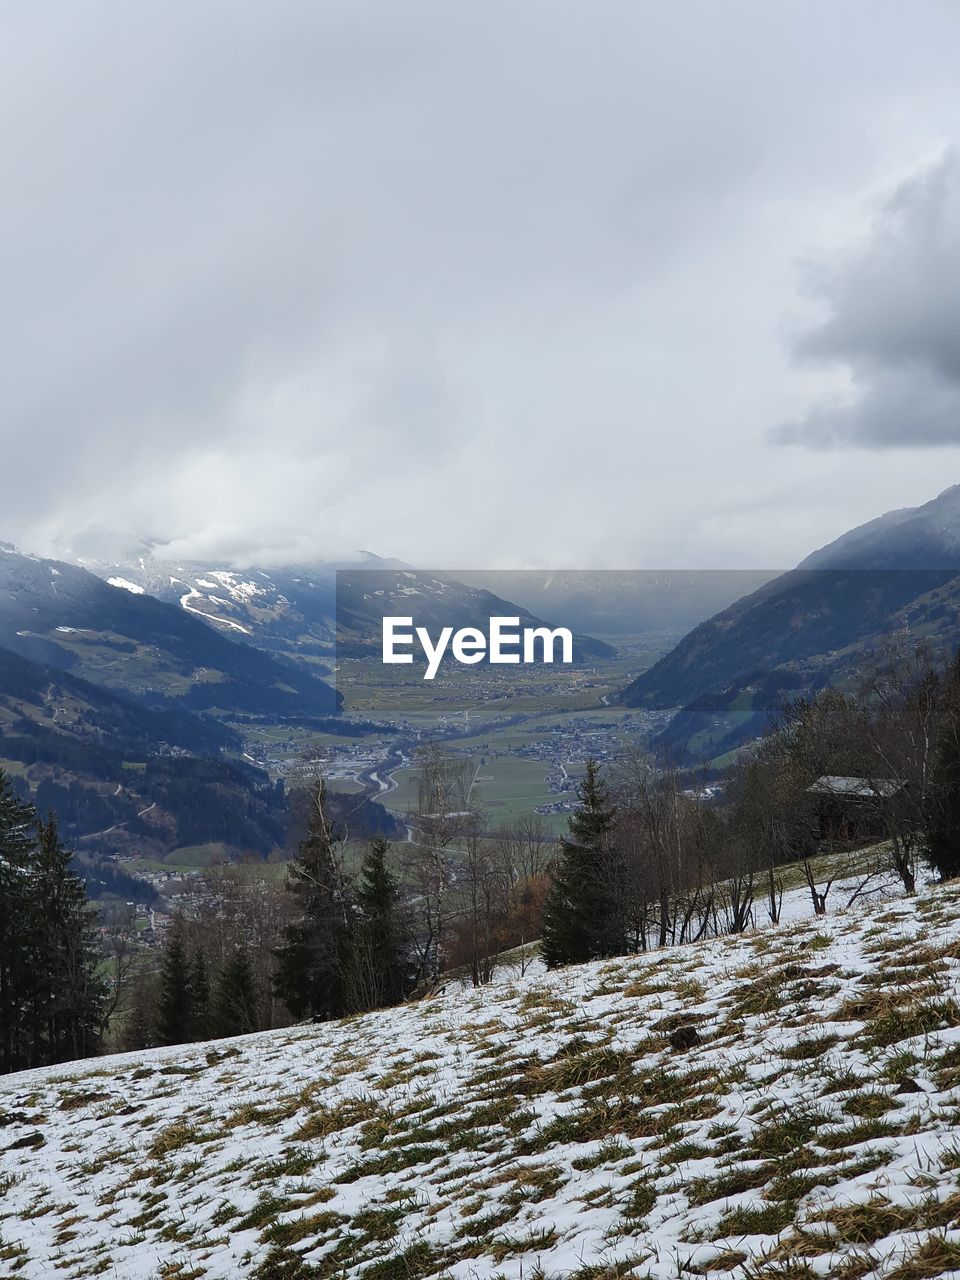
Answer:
(117, 825)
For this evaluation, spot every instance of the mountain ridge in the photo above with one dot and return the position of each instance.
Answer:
(304, 612)
(63, 615)
(907, 538)
(814, 625)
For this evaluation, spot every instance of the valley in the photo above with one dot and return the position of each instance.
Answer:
(524, 733)
(183, 772)
(166, 710)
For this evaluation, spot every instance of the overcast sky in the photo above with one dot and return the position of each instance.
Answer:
(531, 283)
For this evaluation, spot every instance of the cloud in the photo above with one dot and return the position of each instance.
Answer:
(894, 323)
(496, 284)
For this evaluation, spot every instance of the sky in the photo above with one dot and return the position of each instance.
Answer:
(511, 283)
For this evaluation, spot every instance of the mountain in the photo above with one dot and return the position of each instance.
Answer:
(622, 602)
(122, 776)
(802, 616)
(53, 699)
(64, 616)
(433, 600)
(925, 537)
(778, 1104)
(817, 624)
(301, 611)
(287, 610)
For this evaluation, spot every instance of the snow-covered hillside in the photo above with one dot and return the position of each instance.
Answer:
(781, 1104)
(279, 608)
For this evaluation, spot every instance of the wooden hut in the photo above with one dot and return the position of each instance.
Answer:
(851, 811)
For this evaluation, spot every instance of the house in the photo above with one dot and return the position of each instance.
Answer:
(851, 810)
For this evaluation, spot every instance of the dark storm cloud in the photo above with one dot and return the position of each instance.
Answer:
(894, 322)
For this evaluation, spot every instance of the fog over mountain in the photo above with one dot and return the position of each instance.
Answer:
(538, 285)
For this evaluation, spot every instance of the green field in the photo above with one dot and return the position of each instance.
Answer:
(197, 855)
(15, 768)
(502, 788)
(346, 786)
(512, 727)
(484, 692)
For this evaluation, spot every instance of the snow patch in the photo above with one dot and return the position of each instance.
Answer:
(126, 585)
(194, 594)
(236, 586)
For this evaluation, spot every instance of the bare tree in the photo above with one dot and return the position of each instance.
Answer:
(667, 890)
(241, 906)
(488, 884)
(908, 695)
(442, 820)
(122, 958)
(527, 846)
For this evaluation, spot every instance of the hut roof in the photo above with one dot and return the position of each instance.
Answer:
(857, 788)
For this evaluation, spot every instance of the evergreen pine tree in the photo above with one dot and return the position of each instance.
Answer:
(17, 919)
(235, 1000)
(139, 1030)
(199, 994)
(314, 957)
(381, 968)
(581, 916)
(69, 993)
(51, 997)
(943, 810)
(175, 1020)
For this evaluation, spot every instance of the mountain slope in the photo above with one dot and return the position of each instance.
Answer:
(550, 1126)
(32, 694)
(802, 615)
(434, 600)
(288, 610)
(924, 537)
(302, 611)
(816, 624)
(126, 778)
(60, 614)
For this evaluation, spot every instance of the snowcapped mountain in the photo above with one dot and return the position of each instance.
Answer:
(127, 640)
(289, 609)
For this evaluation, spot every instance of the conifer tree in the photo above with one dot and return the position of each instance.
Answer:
(381, 968)
(314, 957)
(51, 997)
(139, 1029)
(581, 916)
(175, 1022)
(199, 994)
(69, 993)
(16, 920)
(943, 810)
(235, 1000)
